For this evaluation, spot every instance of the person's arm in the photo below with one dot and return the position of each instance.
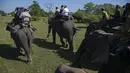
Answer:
(21, 15)
(29, 15)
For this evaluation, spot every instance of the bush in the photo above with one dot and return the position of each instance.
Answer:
(34, 18)
(91, 18)
(79, 16)
(45, 19)
(86, 17)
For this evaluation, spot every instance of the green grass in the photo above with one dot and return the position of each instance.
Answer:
(46, 56)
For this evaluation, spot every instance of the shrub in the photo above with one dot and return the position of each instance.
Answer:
(79, 16)
(34, 18)
(91, 18)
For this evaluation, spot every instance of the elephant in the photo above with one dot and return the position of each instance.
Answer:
(64, 28)
(23, 38)
(96, 46)
(67, 69)
(118, 63)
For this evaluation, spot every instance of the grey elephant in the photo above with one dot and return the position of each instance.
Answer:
(23, 38)
(96, 47)
(65, 29)
(67, 69)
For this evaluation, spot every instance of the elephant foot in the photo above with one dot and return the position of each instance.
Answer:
(29, 62)
(47, 37)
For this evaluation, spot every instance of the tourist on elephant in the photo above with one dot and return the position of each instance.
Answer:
(65, 11)
(105, 15)
(124, 13)
(57, 11)
(117, 13)
(62, 8)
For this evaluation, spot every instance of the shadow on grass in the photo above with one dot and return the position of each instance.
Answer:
(63, 53)
(68, 55)
(8, 52)
(44, 44)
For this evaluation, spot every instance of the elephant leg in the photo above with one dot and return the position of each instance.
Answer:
(70, 41)
(49, 31)
(61, 40)
(27, 52)
(18, 48)
(54, 35)
(25, 43)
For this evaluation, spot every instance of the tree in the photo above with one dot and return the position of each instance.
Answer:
(50, 8)
(12, 13)
(35, 9)
(2, 13)
(89, 7)
(79, 15)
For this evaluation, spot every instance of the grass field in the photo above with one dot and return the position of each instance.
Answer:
(46, 56)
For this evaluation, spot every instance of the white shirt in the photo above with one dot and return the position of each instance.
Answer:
(24, 14)
(65, 12)
(57, 10)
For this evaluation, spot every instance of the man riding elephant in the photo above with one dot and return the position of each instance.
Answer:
(120, 62)
(117, 14)
(21, 33)
(65, 30)
(127, 26)
(57, 11)
(64, 26)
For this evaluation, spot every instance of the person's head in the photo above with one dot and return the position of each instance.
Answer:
(117, 7)
(57, 8)
(102, 9)
(22, 8)
(127, 8)
(124, 6)
(62, 6)
(25, 10)
(16, 10)
(65, 6)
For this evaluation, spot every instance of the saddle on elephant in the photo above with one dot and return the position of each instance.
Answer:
(13, 27)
